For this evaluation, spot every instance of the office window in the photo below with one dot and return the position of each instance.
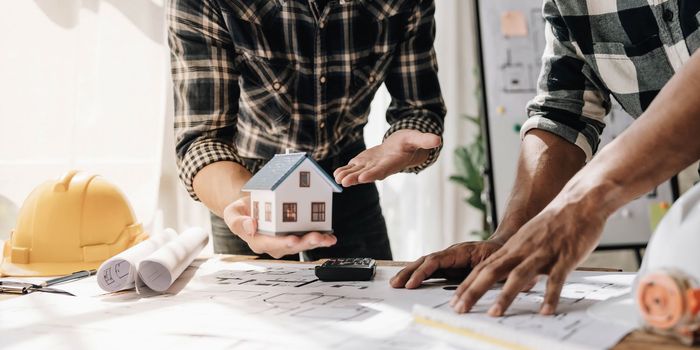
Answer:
(268, 212)
(289, 212)
(256, 210)
(318, 212)
(304, 179)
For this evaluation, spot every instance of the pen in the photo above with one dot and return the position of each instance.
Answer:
(72, 277)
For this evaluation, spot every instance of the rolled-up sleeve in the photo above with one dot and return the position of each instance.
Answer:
(412, 81)
(205, 86)
(570, 102)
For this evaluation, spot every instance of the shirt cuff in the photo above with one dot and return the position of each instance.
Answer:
(422, 123)
(562, 130)
(201, 154)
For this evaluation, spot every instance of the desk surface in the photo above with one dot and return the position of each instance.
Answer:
(637, 340)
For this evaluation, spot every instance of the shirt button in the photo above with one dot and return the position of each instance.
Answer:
(277, 86)
(322, 125)
(372, 79)
(322, 79)
(668, 15)
(322, 25)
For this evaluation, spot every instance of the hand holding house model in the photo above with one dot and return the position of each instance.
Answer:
(292, 195)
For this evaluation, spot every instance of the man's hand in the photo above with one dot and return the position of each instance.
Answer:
(552, 243)
(237, 217)
(403, 149)
(453, 262)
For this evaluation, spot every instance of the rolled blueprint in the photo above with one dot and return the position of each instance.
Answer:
(119, 272)
(165, 265)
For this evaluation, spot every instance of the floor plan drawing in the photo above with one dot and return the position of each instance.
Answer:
(257, 305)
(571, 322)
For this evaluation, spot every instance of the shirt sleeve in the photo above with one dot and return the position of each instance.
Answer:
(413, 83)
(570, 102)
(205, 86)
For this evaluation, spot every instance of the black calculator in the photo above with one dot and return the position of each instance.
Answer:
(347, 269)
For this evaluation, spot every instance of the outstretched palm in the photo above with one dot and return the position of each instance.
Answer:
(403, 149)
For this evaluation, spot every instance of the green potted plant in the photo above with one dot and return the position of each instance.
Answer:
(470, 162)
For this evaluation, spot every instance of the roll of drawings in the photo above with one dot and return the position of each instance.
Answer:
(165, 265)
(119, 272)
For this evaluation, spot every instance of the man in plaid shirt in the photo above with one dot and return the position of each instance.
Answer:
(596, 49)
(253, 78)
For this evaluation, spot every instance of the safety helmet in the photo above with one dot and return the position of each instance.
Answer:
(668, 283)
(71, 224)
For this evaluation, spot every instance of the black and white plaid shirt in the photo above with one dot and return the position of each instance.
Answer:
(598, 48)
(255, 77)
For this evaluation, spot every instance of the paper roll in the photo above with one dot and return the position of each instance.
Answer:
(119, 272)
(165, 265)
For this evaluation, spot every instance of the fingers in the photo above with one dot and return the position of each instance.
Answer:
(278, 247)
(475, 273)
(530, 285)
(350, 179)
(358, 174)
(376, 173)
(555, 282)
(243, 226)
(431, 264)
(348, 175)
(414, 274)
(342, 172)
(400, 279)
(236, 216)
(478, 282)
(518, 279)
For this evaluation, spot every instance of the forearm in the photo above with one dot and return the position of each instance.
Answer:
(219, 184)
(545, 164)
(663, 141)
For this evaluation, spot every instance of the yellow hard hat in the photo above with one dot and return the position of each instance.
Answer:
(72, 224)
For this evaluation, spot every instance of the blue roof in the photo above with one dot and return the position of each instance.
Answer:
(279, 168)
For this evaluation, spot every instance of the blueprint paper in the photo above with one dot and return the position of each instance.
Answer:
(246, 305)
(162, 267)
(572, 327)
(119, 272)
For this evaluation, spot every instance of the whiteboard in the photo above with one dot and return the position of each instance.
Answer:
(511, 66)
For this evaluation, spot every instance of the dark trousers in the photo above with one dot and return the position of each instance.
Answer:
(358, 223)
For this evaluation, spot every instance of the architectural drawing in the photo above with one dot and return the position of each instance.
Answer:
(273, 305)
(570, 324)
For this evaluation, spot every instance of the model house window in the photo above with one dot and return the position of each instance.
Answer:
(318, 212)
(304, 179)
(268, 212)
(256, 210)
(289, 212)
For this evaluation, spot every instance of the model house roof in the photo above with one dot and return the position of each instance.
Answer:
(279, 168)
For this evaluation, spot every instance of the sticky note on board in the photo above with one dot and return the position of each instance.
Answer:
(513, 24)
(656, 213)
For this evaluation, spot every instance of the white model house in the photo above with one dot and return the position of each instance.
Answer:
(292, 194)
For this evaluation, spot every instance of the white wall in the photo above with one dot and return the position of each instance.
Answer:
(83, 86)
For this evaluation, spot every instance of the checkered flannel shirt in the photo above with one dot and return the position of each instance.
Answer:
(598, 48)
(253, 78)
